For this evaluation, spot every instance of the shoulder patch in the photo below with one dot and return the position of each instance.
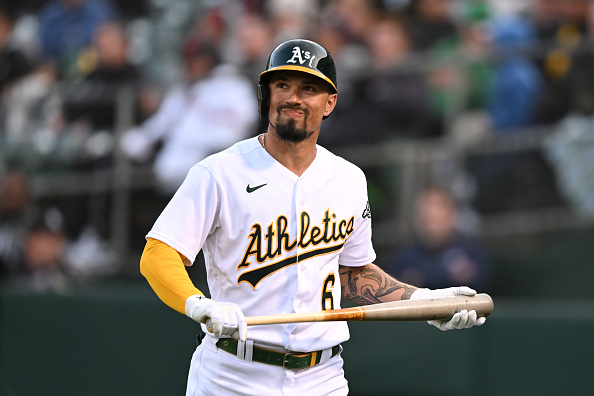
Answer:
(367, 211)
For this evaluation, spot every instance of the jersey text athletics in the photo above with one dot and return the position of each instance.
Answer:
(272, 242)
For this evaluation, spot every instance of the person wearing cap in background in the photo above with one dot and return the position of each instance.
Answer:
(213, 109)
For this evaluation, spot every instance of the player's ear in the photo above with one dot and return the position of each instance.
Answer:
(330, 104)
(263, 100)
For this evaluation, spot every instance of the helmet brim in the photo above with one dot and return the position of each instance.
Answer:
(300, 69)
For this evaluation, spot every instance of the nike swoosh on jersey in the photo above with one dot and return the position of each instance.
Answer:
(252, 189)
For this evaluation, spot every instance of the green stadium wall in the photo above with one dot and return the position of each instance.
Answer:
(119, 339)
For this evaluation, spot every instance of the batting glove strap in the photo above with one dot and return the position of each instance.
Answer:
(422, 294)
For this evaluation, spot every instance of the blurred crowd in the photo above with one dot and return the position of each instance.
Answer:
(166, 83)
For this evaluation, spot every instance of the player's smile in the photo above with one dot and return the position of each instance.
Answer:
(292, 113)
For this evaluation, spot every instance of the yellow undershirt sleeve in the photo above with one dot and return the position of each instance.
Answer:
(163, 268)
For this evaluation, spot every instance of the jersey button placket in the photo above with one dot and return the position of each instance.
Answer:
(299, 204)
(302, 196)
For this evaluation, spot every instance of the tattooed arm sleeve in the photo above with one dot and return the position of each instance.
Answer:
(369, 284)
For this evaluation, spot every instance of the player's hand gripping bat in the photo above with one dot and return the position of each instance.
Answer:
(405, 310)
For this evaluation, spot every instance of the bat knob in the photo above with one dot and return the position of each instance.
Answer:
(208, 324)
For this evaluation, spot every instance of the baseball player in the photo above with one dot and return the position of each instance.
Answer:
(284, 226)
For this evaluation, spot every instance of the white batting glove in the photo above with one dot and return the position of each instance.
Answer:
(461, 320)
(226, 318)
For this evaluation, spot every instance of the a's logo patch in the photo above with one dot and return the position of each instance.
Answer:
(367, 211)
(301, 57)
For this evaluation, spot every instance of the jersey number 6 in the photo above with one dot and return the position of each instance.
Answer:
(327, 298)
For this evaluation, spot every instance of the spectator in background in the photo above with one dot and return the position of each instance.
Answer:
(459, 69)
(440, 256)
(30, 250)
(432, 23)
(517, 82)
(513, 82)
(391, 99)
(352, 61)
(290, 19)
(578, 83)
(511, 105)
(356, 17)
(351, 57)
(31, 243)
(565, 30)
(569, 148)
(548, 16)
(44, 249)
(15, 219)
(93, 99)
(34, 247)
(66, 27)
(254, 40)
(90, 108)
(211, 24)
(478, 69)
(14, 65)
(215, 107)
(397, 89)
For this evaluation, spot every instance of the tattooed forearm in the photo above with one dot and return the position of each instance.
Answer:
(371, 285)
(408, 291)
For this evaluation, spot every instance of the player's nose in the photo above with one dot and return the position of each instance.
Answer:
(293, 96)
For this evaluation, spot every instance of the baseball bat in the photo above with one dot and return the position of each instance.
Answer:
(404, 310)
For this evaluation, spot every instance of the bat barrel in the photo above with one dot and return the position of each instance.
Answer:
(431, 309)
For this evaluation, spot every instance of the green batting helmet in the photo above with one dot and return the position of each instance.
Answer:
(299, 55)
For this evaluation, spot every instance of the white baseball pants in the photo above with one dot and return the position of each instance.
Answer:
(214, 372)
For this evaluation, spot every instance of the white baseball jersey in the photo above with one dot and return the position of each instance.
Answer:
(272, 240)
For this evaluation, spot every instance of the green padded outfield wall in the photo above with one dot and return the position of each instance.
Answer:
(119, 339)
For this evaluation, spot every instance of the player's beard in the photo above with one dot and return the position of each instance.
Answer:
(288, 130)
